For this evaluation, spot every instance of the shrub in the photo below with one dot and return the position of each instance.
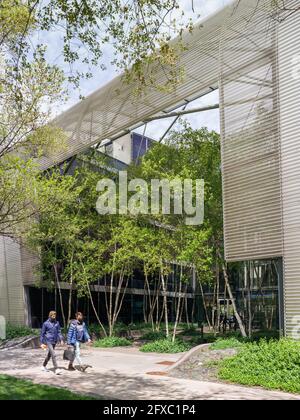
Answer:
(119, 329)
(165, 346)
(190, 331)
(226, 343)
(112, 342)
(140, 326)
(271, 364)
(95, 329)
(153, 336)
(15, 331)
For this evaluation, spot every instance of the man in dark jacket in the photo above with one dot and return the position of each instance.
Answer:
(50, 336)
(78, 334)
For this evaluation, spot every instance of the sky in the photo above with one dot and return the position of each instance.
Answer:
(209, 119)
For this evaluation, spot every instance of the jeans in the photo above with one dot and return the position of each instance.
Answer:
(51, 354)
(77, 353)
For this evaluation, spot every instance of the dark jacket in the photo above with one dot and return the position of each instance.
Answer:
(51, 332)
(77, 332)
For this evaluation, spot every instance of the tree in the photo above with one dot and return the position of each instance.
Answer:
(28, 89)
(17, 185)
(139, 32)
(195, 154)
(76, 245)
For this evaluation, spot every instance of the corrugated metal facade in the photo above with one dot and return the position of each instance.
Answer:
(260, 109)
(115, 107)
(289, 94)
(12, 305)
(250, 136)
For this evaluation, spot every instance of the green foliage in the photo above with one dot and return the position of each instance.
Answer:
(119, 329)
(28, 92)
(190, 154)
(19, 389)
(108, 342)
(227, 343)
(18, 187)
(266, 335)
(137, 33)
(15, 18)
(45, 141)
(153, 336)
(15, 331)
(165, 346)
(78, 245)
(270, 364)
(140, 326)
(190, 330)
(94, 329)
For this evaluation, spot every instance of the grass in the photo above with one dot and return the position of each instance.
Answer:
(165, 345)
(19, 389)
(227, 343)
(273, 364)
(108, 342)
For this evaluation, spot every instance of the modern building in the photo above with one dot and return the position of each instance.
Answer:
(128, 148)
(249, 50)
(26, 299)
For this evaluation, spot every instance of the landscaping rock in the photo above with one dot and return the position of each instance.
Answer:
(30, 341)
(202, 365)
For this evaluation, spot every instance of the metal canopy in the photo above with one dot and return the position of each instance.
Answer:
(114, 108)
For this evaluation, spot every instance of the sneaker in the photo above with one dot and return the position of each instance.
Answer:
(57, 372)
(44, 369)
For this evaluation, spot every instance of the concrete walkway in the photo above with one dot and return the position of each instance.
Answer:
(127, 374)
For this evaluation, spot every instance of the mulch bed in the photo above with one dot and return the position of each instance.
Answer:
(202, 365)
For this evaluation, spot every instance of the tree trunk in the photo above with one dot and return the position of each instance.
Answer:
(60, 295)
(165, 300)
(187, 311)
(92, 303)
(110, 304)
(70, 293)
(95, 311)
(237, 315)
(70, 301)
(249, 303)
(218, 296)
(145, 305)
(121, 301)
(204, 304)
(178, 307)
(152, 302)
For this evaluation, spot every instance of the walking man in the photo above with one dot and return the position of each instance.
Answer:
(78, 334)
(50, 336)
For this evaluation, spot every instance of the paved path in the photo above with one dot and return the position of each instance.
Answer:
(127, 374)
